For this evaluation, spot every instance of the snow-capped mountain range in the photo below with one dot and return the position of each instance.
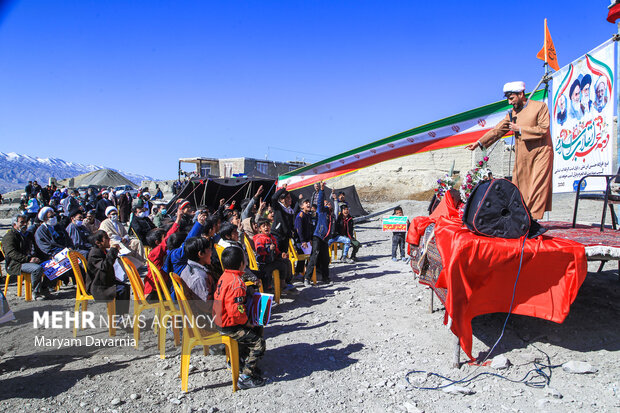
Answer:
(16, 170)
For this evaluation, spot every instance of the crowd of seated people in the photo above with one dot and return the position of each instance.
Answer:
(187, 245)
(53, 219)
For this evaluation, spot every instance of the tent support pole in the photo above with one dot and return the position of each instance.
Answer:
(204, 193)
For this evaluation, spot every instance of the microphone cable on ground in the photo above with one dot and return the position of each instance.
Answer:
(539, 377)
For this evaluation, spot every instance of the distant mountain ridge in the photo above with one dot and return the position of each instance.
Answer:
(16, 170)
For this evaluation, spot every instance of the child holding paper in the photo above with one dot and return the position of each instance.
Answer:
(101, 281)
(398, 239)
(231, 317)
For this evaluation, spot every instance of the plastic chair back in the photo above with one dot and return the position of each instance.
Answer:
(135, 281)
(75, 258)
(186, 310)
(251, 255)
(219, 249)
(160, 285)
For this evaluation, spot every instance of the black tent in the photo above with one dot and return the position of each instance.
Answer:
(355, 206)
(209, 191)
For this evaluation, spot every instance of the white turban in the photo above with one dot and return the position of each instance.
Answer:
(43, 212)
(514, 87)
(146, 194)
(110, 209)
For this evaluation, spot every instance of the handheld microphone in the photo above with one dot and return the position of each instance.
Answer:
(513, 119)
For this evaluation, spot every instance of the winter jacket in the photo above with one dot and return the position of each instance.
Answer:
(344, 226)
(17, 250)
(262, 243)
(157, 257)
(325, 225)
(140, 227)
(79, 235)
(229, 306)
(303, 227)
(102, 204)
(51, 240)
(176, 260)
(100, 279)
(283, 221)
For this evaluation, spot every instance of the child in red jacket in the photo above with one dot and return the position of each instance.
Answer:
(231, 317)
(269, 257)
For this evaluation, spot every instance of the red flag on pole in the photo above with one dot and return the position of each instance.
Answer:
(614, 13)
(547, 53)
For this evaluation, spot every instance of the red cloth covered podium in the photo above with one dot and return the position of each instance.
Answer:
(479, 272)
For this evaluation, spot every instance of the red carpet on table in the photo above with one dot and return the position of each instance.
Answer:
(587, 235)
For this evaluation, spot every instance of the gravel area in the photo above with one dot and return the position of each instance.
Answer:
(339, 348)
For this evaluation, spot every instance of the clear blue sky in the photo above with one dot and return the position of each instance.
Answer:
(135, 85)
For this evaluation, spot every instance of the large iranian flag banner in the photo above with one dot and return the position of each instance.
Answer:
(457, 130)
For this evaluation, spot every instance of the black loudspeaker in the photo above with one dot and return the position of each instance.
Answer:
(495, 208)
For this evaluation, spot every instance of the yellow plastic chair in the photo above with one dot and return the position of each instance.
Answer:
(194, 336)
(334, 249)
(251, 255)
(2, 251)
(219, 249)
(167, 310)
(338, 245)
(23, 278)
(139, 300)
(82, 298)
(294, 257)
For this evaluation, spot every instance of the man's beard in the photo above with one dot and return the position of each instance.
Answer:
(518, 105)
(599, 102)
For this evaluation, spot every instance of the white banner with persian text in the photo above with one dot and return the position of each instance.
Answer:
(582, 110)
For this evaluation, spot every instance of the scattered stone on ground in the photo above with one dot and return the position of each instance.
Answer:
(578, 367)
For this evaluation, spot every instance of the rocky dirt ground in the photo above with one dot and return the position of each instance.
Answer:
(345, 347)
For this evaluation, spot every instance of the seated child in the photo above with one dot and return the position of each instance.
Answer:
(157, 239)
(100, 281)
(269, 257)
(345, 231)
(198, 286)
(230, 238)
(231, 317)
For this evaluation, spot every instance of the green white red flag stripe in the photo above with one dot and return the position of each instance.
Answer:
(456, 130)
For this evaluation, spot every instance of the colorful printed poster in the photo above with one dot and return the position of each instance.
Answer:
(582, 104)
(395, 223)
(260, 308)
(57, 266)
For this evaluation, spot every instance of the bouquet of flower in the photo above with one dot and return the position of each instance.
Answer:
(481, 173)
(444, 185)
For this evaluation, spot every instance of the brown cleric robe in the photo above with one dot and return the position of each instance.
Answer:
(533, 168)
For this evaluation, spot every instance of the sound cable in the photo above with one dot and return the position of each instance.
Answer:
(539, 377)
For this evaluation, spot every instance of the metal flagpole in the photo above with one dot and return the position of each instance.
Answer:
(615, 167)
(617, 39)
